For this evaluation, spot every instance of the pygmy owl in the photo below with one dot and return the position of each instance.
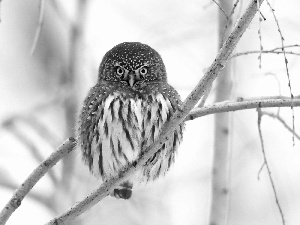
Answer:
(124, 112)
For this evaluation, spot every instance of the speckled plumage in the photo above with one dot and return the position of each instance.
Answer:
(124, 112)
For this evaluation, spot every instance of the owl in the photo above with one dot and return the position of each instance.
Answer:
(124, 112)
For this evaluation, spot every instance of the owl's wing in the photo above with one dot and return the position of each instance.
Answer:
(87, 126)
(172, 95)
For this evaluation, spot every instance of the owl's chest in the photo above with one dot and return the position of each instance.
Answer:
(132, 121)
(124, 126)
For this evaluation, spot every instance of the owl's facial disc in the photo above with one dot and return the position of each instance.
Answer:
(131, 77)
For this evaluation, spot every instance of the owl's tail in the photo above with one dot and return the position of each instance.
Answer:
(124, 191)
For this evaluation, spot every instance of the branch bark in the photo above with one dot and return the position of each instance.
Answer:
(33, 178)
(230, 106)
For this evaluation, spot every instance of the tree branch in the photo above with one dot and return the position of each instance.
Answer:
(241, 105)
(286, 67)
(39, 27)
(33, 178)
(223, 11)
(271, 51)
(281, 120)
(267, 164)
(11, 185)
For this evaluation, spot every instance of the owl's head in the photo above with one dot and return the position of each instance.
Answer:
(133, 64)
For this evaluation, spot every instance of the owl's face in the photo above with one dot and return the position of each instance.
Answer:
(133, 64)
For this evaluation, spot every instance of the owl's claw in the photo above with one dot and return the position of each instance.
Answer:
(122, 193)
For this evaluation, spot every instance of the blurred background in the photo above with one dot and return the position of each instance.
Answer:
(42, 92)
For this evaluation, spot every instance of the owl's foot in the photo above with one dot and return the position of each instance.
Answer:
(124, 191)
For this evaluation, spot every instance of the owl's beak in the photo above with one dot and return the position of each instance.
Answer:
(131, 79)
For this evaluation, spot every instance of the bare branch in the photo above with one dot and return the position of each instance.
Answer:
(281, 120)
(241, 104)
(229, 20)
(40, 198)
(225, 14)
(204, 97)
(259, 36)
(39, 27)
(285, 47)
(233, 8)
(33, 178)
(260, 170)
(271, 51)
(240, 99)
(286, 67)
(267, 164)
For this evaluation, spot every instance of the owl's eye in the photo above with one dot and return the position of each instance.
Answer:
(120, 71)
(143, 71)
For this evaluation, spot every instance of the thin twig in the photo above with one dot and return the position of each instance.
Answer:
(39, 27)
(277, 81)
(286, 67)
(225, 14)
(264, 52)
(267, 164)
(233, 8)
(281, 120)
(33, 178)
(259, 36)
(285, 47)
(260, 170)
(204, 97)
(229, 20)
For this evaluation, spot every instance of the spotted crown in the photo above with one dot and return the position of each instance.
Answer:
(132, 56)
